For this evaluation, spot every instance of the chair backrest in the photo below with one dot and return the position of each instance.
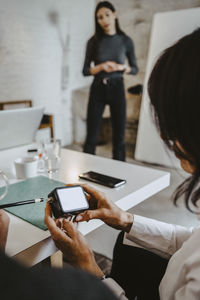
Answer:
(15, 104)
(19, 126)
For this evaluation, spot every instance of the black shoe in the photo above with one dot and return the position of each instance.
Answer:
(136, 89)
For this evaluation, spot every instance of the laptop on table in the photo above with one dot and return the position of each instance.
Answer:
(19, 126)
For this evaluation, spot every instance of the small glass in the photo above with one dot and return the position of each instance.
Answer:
(40, 157)
(5, 179)
(51, 155)
(38, 154)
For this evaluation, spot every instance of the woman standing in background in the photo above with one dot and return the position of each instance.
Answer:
(108, 49)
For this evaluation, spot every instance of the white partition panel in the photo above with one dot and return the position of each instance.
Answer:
(167, 28)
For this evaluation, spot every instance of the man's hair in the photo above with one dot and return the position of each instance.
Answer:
(174, 90)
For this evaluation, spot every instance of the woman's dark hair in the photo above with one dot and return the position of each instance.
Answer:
(174, 90)
(99, 32)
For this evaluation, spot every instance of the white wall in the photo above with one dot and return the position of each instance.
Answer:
(32, 57)
(167, 28)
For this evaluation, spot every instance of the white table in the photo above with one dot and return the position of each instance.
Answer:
(31, 245)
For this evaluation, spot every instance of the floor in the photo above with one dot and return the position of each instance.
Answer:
(159, 207)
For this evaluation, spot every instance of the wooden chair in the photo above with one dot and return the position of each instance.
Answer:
(47, 121)
(15, 104)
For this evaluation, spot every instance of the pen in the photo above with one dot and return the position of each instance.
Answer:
(37, 200)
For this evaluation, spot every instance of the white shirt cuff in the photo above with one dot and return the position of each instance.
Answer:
(115, 288)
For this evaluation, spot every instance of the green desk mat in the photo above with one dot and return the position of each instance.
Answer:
(31, 188)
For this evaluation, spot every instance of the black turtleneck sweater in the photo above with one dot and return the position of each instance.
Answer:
(115, 48)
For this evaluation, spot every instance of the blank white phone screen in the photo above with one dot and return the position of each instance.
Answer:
(72, 199)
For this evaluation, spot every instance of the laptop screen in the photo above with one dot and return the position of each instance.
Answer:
(19, 126)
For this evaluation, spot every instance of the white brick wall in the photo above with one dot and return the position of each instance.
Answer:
(31, 54)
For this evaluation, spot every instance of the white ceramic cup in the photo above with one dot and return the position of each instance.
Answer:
(26, 167)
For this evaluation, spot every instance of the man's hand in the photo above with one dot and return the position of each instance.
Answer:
(104, 209)
(4, 224)
(72, 243)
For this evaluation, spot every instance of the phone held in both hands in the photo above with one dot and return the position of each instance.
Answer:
(72, 199)
(102, 179)
(68, 200)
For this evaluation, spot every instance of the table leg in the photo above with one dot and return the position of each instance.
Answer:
(57, 260)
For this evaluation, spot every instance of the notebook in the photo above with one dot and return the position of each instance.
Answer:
(31, 188)
(19, 126)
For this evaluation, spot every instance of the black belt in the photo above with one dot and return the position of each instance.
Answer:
(106, 80)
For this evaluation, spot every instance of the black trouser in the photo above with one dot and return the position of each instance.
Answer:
(137, 271)
(111, 92)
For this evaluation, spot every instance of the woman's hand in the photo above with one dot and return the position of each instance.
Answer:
(104, 209)
(126, 69)
(109, 66)
(72, 243)
(4, 224)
